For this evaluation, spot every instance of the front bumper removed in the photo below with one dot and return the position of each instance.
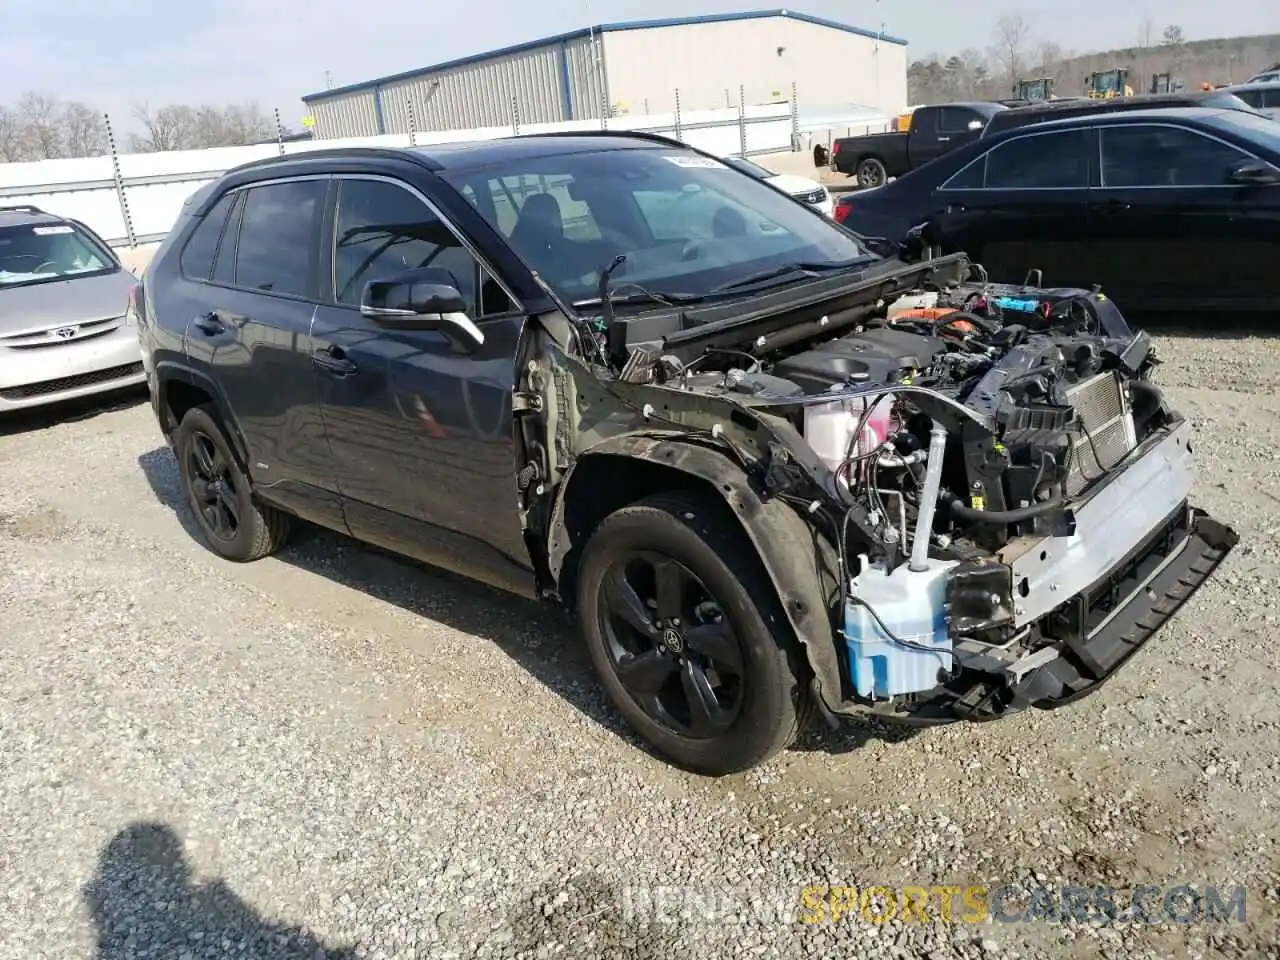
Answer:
(1103, 626)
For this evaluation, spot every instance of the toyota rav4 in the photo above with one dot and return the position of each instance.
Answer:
(771, 472)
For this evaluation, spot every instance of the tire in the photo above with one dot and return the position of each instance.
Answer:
(767, 700)
(872, 173)
(218, 488)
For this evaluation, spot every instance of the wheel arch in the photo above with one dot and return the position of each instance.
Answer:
(180, 388)
(627, 469)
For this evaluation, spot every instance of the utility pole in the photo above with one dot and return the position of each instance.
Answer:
(328, 80)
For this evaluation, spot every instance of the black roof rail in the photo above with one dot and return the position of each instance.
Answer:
(389, 153)
(21, 208)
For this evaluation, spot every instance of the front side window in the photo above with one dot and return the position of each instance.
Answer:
(1043, 161)
(955, 119)
(383, 229)
(49, 252)
(277, 249)
(686, 224)
(1161, 156)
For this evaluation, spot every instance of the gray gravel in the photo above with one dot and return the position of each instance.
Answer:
(335, 751)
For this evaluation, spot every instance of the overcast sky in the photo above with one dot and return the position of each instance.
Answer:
(113, 53)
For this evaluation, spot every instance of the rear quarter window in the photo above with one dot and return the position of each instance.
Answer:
(196, 260)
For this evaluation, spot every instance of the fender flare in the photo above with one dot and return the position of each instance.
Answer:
(168, 371)
(789, 548)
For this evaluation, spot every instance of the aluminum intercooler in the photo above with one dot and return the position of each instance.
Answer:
(1103, 432)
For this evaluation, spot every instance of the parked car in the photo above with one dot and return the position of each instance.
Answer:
(1173, 210)
(1261, 95)
(934, 131)
(1270, 75)
(64, 295)
(1084, 106)
(610, 371)
(801, 188)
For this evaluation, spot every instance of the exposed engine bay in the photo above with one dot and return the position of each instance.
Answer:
(1004, 488)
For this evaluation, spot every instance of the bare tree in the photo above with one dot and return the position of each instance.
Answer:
(170, 127)
(1146, 32)
(1173, 36)
(12, 145)
(1010, 49)
(41, 116)
(84, 133)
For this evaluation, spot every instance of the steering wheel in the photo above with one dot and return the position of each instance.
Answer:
(691, 250)
(51, 264)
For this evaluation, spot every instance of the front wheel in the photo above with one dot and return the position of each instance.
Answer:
(687, 637)
(872, 173)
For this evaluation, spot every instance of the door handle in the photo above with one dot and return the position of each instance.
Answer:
(1110, 206)
(333, 360)
(944, 139)
(209, 324)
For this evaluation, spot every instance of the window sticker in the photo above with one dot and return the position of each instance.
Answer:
(701, 163)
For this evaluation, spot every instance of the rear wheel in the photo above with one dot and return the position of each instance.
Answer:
(872, 173)
(685, 633)
(233, 525)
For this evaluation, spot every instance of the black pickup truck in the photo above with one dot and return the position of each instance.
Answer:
(934, 130)
(612, 372)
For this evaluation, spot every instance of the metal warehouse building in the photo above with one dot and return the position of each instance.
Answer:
(634, 67)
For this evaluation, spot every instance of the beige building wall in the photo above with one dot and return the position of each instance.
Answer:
(708, 62)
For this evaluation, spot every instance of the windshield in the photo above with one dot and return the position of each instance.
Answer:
(686, 224)
(45, 252)
(1259, 130)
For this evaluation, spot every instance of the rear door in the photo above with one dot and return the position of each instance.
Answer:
(249, 324)
(1020, 206)
(1173, 231)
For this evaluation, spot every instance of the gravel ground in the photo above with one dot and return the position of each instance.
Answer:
(334, 751)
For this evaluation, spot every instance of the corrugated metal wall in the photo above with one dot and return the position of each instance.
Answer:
(351, 114)
(480, 94)
(708, 62)
(587, 76)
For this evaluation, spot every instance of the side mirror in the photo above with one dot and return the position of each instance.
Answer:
(976, 124)
(1254, 173)
(420, 300)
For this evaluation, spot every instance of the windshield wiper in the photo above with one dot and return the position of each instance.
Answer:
(607, 298)
(801, 270)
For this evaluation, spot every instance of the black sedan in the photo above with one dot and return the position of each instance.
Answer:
(1170, 209)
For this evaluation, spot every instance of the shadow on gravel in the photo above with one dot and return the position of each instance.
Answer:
(70, 411)
(538, 636)
(1214, 325)
(144, 901)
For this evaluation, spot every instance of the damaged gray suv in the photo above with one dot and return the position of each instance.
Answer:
(772, 472)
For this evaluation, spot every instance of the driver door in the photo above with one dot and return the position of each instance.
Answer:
(419, 426)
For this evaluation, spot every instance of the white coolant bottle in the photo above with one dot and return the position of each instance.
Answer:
(912, 606)
(829, 427)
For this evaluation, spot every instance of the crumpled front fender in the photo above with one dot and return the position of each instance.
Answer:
(800, 563)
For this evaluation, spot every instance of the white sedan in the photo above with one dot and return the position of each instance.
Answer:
(802, 188)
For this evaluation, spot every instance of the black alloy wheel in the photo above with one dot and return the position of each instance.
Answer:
(670, 644)
(687, 635)
(233, 523)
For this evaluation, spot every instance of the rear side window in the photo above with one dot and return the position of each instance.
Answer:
(278, 248)
(1252, 97)
(196, 262)
(1046, 161)
(224, 267)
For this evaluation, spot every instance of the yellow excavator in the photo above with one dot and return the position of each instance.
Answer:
(1105, 84)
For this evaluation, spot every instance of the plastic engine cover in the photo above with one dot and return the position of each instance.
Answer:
(873, 356)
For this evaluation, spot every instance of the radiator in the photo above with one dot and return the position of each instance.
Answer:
(1103, 416)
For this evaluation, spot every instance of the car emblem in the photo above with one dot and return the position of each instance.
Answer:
(65, 333)
(672, 640)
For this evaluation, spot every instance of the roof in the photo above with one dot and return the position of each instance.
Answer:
(24, 214)
(601, 28)
(1251, 85)
(1121, 117)
(1141, 101)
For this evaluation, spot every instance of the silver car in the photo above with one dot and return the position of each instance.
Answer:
(64, 297)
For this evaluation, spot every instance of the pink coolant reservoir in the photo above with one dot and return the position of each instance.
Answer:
(829, 428)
